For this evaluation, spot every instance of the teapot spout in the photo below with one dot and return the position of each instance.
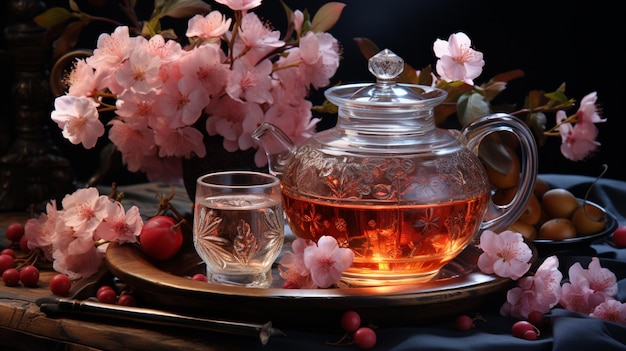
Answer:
(277, 146)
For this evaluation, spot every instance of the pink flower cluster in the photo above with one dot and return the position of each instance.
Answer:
(590, 291)
(72, 237)
(231, 76)
(459, 62)
(312, 265)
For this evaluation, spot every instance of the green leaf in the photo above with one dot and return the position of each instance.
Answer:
(493, 152)
(367, 47)
(52, 17)
(537, 123)
(327, 16)
(426, 77)
(325, 107)
(68, 40)
(557, 96)
(182, 8)
(472, 106)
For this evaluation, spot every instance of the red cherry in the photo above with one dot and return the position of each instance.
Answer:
(126, 300)
(199, 277)
(11, 277)
(29, 276)
(15, 231)
(619, 236)
(160, 237)
(24, 245)
(6, 262)
(60, 284)
(8, 251)
(350, 321)
(464, 323)
(364, 338)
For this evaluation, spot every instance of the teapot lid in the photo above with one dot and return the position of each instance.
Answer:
(386, 66)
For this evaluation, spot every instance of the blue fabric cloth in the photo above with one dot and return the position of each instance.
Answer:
(566, 330)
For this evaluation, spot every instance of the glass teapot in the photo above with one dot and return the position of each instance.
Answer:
(406, 196)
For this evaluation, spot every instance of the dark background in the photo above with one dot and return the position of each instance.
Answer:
(579, 43)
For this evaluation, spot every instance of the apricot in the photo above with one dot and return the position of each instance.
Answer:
(528, 231)
(557, 229)
(506, 180)
(532, 212)
(559, 203)
(589, 219)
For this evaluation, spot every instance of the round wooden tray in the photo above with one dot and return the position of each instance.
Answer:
(167, 285)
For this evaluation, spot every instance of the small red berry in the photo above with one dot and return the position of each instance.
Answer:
(60, 284)
(6, 262)
(106, 295)
(15, 231)
(24, 245)
(199, 277)
(8, 251)
(11, 277)
(126, 300)
(536, 318)
(464, 323)
(364, 338)
(520, 329)
(29, 276)
(350, 321)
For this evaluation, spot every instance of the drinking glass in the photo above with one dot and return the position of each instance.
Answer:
(239, 226)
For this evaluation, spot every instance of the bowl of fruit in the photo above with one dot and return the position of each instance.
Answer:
(556, 220)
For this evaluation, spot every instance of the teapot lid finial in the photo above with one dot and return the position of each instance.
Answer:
(386, 65)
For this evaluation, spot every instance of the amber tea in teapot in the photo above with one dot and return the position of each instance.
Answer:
(406, 196)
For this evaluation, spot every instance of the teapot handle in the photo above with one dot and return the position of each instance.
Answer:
(500, 217)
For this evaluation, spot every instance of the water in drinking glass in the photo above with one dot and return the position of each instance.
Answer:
(238, 227)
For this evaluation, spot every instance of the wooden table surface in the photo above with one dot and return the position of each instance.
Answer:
(23, 326)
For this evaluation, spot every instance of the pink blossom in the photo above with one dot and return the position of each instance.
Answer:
(611, 310)
(205, 64)
(181, 142)
(505, 254)
(320, 58)
(251, 84)
(167, 50)
(587, 112)
(256, 34)
(138, 110)
(134, 143)
(539, 292)
(164, 91)
(578, 141)
(292, 268)
(119, 225)
(298, 19)
(140, 72)
(327, 261)
(211, 26)
(457, 59)
(40, 231)
(240, 5)
(226, 117)
(70, 237)
(77, 266)
(79, 119)
(589, 287)
(84, 81)
(111, 49)
(181, 102)
(84, 209)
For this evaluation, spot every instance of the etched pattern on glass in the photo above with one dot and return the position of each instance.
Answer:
(242, 245)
